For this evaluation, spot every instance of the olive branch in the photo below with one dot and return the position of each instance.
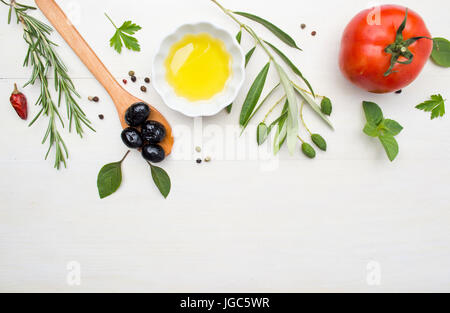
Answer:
(287, 123)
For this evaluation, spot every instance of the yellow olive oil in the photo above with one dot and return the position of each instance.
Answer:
(198, 67)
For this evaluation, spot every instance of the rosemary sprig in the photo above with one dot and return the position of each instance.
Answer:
(42, 57)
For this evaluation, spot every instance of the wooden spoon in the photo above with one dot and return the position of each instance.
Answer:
(121, 98)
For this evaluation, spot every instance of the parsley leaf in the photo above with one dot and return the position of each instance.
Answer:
(436, 106)
(123, 36)
(383, 129)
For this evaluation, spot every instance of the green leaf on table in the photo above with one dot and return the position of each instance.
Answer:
(262, 133)
(123, 36)
(161, 179)
(293, 112)
(441, 52)
(391, 127)
(371, 130)
(253, 95)
(383, 129)
(239, 36)
(281, 133)
(326, 107)
(283, 36)
(309, 100)
(436, 106)
(110, 178)
(373, 112)
(291, 65)
(390, 145)
(249, 55)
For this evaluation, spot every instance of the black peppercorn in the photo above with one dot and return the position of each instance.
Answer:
(101, 116)
(199, 161)
(147, 80)
(133, 79)
(143, 89)
(96, 99)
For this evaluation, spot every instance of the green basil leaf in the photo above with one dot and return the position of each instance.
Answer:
(319, 141)
(249, 55)
(274, 29)
(109, 179)
(441, 52)
(314, 106)
(390, 145)
(262, 133)
(161, 179)
(391, 127)
(371, 130)
(291, 65)
(308, 150)
(373, 112)
(326, 107)
(253, 95)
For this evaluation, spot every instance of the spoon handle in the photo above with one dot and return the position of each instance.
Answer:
(71, 35)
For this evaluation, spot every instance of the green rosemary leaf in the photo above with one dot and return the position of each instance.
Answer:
(283, 36)
(253, 95)
(291, 65)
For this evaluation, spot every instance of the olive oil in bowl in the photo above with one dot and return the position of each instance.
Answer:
(198, 67)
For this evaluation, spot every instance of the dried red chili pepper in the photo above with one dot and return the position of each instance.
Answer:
(19, 102)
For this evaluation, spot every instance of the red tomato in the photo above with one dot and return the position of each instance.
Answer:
(363, 58)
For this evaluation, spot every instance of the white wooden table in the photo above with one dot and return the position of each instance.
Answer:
(348, 221)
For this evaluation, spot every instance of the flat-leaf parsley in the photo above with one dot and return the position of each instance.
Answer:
(123, 36)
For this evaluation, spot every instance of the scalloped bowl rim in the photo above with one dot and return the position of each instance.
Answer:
(205, 107)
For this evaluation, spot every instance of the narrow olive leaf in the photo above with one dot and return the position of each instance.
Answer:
(283, 36)
(291, 65)
(308, 150)
(441, 52)
(319, 141)
(326, 107)
(281, 133)
(391, 127)
(262, 133)
(314, 106)
(293, 113)
(239, 36)
(238, 39)
(161, 179)
(371, 130)
(267, 97)
(254, 94)
(249, 55)
(373, 112)
(390, 145)
(110, 178)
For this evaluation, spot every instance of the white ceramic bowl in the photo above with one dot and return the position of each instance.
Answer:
(218, 102)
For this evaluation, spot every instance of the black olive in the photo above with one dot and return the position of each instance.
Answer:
(153, 132)
(153, 153)
(137, 114)
(132, 138)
